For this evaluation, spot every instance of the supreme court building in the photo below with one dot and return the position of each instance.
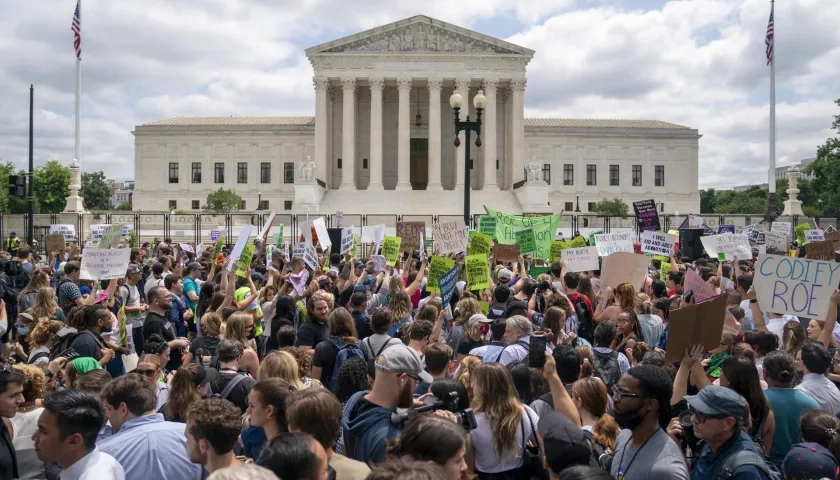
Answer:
(381, 140)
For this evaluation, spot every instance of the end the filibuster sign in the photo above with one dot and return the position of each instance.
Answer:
(795, 286)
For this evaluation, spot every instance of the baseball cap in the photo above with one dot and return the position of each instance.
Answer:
(258, 277)
(193, 266)
(718, 401)
(565, 443)
(401, 359)
(360, 265)
(205, 375)
(504, 274)
(809, 460)
(478, 317)
(132, 269)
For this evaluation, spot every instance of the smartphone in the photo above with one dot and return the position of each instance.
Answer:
(536, 354)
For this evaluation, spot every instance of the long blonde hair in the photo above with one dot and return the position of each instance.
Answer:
(467, 307)
(282, 365)
(237, 323)
(495, 396)
(45, 304)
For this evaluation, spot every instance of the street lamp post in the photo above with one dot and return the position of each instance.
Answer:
(259, 201)
(479, 101)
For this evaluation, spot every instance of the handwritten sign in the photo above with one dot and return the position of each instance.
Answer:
(795, 286)
(379, 262)
(544, 229)
(609, 243)
(820, 250)
(487, 225)
(106, 263)
(391, 249)
(782, 228)
(581, 259)
(55, 242)
(299, 250)
(646, 215)
(437, 267)
(776, 242)
(557, 247)
(477, 274)
(814, 236)
(832, 236)
(527, 241)
(695, 222)
(658, 243)
(69, 232)
(339, 219)
(244, 263)
(480, 244)
(506, 253)
(410, 233)
(577, 242)
(215, 234)
(450, 237)
(110, 236)
(310, 256)
(730, 245)
(346, 239)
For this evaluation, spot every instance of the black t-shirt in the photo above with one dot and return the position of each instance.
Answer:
(158, 325)
(206, 344)
(239, 395)
(467, 344)
(324, 357)
(86, 345)
(312, 333)
(8, 455)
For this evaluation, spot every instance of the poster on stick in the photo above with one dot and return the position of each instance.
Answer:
(658, 243)
(795, 286)
(581, 259)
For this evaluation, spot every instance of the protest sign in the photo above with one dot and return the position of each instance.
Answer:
(355, 242)
(730, 245)
(487, 225)
(577, 242)
(241, 240)
(782, 228)
(339, 219)
(658, 243)
(450, 237)
(814, 236)
(310, 256)
(391, 249)
(592, 237)
(478, 277)
(186, 247)
(624, 267)
(581, 259)
(106, 263)
(832, 236)
(279, 235)
(535, 272)
(346, 239)
(437, 267)
(799, 231)
(97, 229)
(55, 242)
(544, 228)
(110, 237)
(665, 269)
(480, 244)
(244, 262)
(215, 234)
(697, 324)
(299, 250)
(410, 233)
(726, 229)
(422, 246)
(447, 283)
(321, 230)
(378, 236)
(506, 253)
(557, 247)
(609, 243)
(527, 241)
(298, 281)
(264, 232)
(695, 222)
(820, 250)
(646, 215)
(68, 231)
(829, 229)
(795, 286)
(379, 262)
(694, 283)
(776, 242)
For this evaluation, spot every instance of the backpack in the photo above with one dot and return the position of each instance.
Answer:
(381, 349)
(586, 324)
(345, 352)
(231, 385)
(606, 368)
(747, 457)
(64, 338)
(206, 356)
(598, 456)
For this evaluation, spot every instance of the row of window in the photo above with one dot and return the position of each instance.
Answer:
(263, 205)
(241, 172)
(592, 175)
(570, 206)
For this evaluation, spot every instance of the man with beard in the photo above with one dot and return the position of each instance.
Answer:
(316, 330)
(88, 342)
(213, 425)
(643, 410)
(366, 420)
(11, 398)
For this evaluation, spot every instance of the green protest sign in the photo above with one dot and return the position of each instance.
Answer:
(391, 249)
(537, 271)
(437, 267)
(478, 277)
(280, 236)
(799, 230)
(487, 225)
(245, 260)
(480, 244)
(592, 236)
(577, 242)
(217, 247)
(544, 228)
(527, 241)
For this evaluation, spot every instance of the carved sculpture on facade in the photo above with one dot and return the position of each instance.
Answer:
(419, 38)
(533, 172)
(307, 170)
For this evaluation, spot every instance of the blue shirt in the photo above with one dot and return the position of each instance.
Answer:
(149, 447)
(710, 464)
(788, 405)
(176, 314)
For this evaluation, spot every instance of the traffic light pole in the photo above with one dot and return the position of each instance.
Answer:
(30, 232)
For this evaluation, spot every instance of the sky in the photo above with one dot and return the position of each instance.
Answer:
(698, 63)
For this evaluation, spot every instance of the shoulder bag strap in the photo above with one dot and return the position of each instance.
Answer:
(533, 430)
(382, 349)
(231, 385)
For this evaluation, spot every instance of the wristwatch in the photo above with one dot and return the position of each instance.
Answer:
(753, 300)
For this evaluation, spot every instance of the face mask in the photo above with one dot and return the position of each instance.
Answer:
(629, 420)
(22, 330)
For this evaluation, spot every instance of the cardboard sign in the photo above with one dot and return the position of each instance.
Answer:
(609, 243)
(658, 243)
(478, 276)
(578, 242)
(106, 263)
(694, 283)
(506, 253)
(410, 233)
(830, 229)
(646, 215)
(447, 283)
(697, 324)
(814, 236)
(820, 250)
(581, 259)
(346, 239)
(68, 231)
(244, 262)
(544, 228)
(480, 244)
(795, 286)
(55, 242)
(450, 237)
(391, 249)
(782, 228)
(487, 225)
(624, 267)
(527, 241)
(731, 246)
(437, 267)
(557, 247)
(832, 236)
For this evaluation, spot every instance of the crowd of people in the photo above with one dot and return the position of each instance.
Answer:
(195, 367)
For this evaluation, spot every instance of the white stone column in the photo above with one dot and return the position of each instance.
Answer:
(376, 84)
(463, 87)
(321, 123)
(434, 133)
(488, 131)
(348, 133)
(404, 134)
(517, 125)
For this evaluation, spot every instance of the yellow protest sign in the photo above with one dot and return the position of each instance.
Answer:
(478, 277)
(577, 242)
(437, 267)
(391, 249)
(480, 244)
(665, 269)
(245, 260)
(557, 247)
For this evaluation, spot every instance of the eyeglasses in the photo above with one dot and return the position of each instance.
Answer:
(618, 395)
(148, 373)
(701, 418)
(416, 378)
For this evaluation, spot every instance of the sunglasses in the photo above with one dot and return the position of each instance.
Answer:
(701, 418)
(148, 373)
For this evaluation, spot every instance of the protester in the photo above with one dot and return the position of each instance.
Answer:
(212, 430)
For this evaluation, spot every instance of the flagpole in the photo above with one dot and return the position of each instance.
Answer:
(77, 141)
(772, 205)
(75, 203)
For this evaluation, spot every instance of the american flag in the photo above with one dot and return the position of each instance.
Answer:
(77, 31)
(768, 39)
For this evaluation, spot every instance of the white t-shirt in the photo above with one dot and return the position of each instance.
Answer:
(486, 459)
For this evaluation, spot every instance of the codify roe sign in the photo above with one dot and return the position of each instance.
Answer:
(795, 286)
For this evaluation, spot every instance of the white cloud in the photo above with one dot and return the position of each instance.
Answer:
(692, 62)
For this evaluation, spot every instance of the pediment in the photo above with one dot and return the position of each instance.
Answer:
(420, 34)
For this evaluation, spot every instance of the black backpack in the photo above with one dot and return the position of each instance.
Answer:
(206, 356)
(606, 368)
(586, 324)
(64, 338)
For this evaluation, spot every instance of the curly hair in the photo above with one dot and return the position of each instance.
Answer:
(466, 307)
(352, 378)
(319, 295)
(43, 332)
(625, 296)
(34, 383)
(303, 359)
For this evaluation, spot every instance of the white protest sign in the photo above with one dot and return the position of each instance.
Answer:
(187, 247)
(110, 236)
(97, 230)
(378, 236)
(422, 246)
(306, 228)
(299, 250)
(776, 241)
(69, 231)
(106, 263)
(609, 243)
(658, 243)
(731, 245)
(695, 222)
(339, 219)
(321, 231)
(268, 257)
(795, 286)
(378, 262)
(580, 259)
(623, 267)
(264, 232)
(346, 239)
(244, 233)
(127, 229)
(215, 234)
(814, 236)
(310, 256)
(450, 237)
(782, 228)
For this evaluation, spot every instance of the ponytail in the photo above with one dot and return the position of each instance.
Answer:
(606, 431)
(586, 369)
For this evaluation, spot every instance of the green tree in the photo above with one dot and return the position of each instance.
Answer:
(10, 204)
(826, 169)
(222, 201)
(612, 208)
(52, 187)
(707, 200)
(95, 191)
(124, 206)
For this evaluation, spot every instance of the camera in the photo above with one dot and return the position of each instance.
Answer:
(689, 441)
(449, 402)
(545, 286)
